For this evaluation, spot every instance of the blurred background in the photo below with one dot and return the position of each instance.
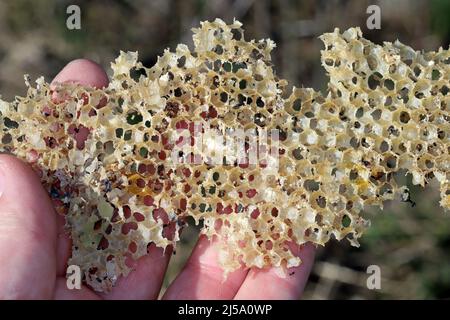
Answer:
(411, 245)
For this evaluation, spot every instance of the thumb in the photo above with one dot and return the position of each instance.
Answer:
(27, 234)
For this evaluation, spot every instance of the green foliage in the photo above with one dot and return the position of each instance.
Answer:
(440, 22)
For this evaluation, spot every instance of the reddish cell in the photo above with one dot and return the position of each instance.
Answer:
(126, 212)
(182, 124)
(127, 227)
(183, 204)
(115, 217)
(162, 155)
(157, 186)
(212, 112)
(46, 111)
(155, 138)
(186, 172)
(160, 213)
(181, 141)
(251, 193)
(50, 142)
(103, 101)
(140, 183)
(92, 113)
(165, 140)
(193, 127)
(103, 244)
(151, 169)
(139, 217)
(85, 98)
(274, 212)
(228, 209)
(132, 247)
(255, 213)
(169, 231)
(142, 168)
(80, 134)
(148, 200)
(243, 165)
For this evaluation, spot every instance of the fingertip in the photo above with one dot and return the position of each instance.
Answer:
(83, 71)
(202, 276)
(285, 283)
(146, 278)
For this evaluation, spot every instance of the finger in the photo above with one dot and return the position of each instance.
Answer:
(84, 72)
(202, 276)
(145, 281)
(27, 234)
(87, 73)
(269, 284)
(62, 292)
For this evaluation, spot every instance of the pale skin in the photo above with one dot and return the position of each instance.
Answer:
(35, 247)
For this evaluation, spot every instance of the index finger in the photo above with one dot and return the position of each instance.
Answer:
(144, 282)
(268, 284)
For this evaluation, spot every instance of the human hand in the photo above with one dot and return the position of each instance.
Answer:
(35, 247)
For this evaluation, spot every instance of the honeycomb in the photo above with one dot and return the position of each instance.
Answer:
(213, 134)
